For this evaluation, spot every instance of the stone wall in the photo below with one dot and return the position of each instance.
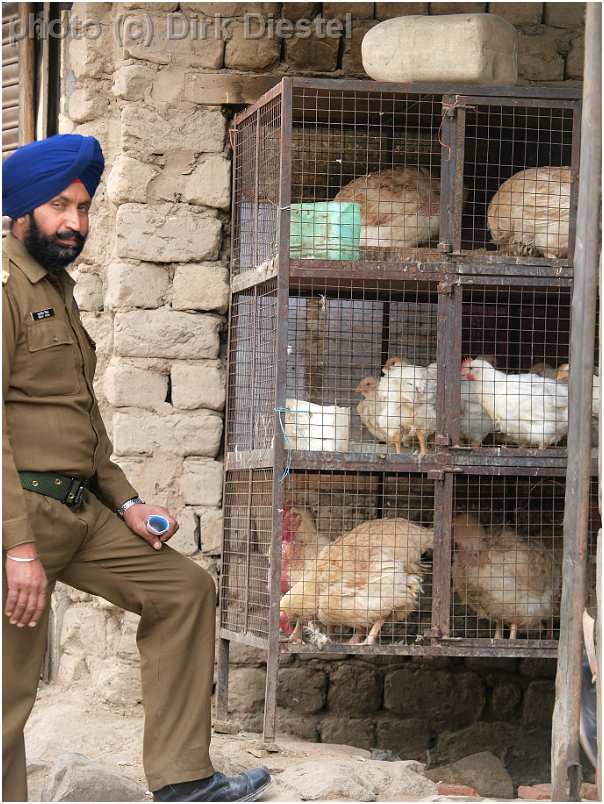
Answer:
(152, 285)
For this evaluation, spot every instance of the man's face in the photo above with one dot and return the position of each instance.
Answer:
(58, 229)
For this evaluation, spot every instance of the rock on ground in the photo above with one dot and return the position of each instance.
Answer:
(483, 771)
(74, 777)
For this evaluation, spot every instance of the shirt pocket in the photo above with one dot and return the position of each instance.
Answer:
(52, 364)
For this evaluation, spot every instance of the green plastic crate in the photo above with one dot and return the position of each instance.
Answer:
(326, 230)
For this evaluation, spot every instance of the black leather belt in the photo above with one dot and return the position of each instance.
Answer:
(65, 489)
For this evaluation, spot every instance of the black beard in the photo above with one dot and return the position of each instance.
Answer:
(50, 254)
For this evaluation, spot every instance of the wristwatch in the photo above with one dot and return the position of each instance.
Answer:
(121, 510)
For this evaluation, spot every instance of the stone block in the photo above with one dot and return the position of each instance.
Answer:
(538, 668)
(201, 287)
(211, 526)
(297, 11)
(386, 11)
(156, 6)
(128, 180)
(83, 631)
(358, 11)
(437, 695)
(136, 284)
(166, 333)
(126, 385)
(169, 184)
(198, 385)
(456, 790)
(245, 654)
(88, 57)
(88, 292)
(535, 792)
(355, 731)
(518, 13)
(201, 482)
(494, 736)
(576, 58)
(246, 689)
(72, 668)
(185, 540)
(538, 57)
(210, 183)
(352, 62)
(565, 15)
(483, 771)
(409, 738)
(306, 727)
(506, 700)
(246, 50)
(354, 689)
(302, 689)
(168, 86)
(178, 38)
(132, 81)
(147, 132)
(100, 328)
(74, 777)
(219, 88)
(232, 9)
(538, 705)
(86, 104)
(312, 53)
(457, 8)
(118, 684)
(155, 481)
(167, 233)
(91, 11)
(149, 433)
(486, 664)
(127, 650)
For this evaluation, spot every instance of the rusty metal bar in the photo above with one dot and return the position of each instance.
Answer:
(566, 766)
(280, 452)
(441, 579)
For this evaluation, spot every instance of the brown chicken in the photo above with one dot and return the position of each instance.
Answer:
(367, 407)
(400, 207)
(503, 577)
(366, 576)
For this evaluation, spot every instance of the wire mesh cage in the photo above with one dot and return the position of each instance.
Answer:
(506, 568)
(372, 172)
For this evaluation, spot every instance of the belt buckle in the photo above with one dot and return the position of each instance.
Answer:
(75, 493)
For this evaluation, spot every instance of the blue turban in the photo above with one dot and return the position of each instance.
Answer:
(39, 171)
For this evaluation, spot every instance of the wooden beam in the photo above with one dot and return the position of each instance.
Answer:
(27, 72)
(566, 765)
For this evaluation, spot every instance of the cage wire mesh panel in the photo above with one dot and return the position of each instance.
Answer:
(356, 558)
(244, 582)
(365, 174)
(251, 382)
(513, 380)
(507, 557)
(518, 178)
(257, 172)
(361, 370)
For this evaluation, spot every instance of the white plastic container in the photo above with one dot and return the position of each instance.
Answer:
(318, 428)
(456, 48)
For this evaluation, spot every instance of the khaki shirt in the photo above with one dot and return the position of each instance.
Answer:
(51, 420)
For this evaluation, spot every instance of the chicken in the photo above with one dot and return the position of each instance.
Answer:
(400, 208)
(406, 397)
(309, 426)
(529, 213)
(367, 407)
(301, 544)
(364, 577)
(503, 577)
(544, 370)
(562, 375)
(528, 409)
(476, 424)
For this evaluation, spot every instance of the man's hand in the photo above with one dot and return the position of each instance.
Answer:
(26, 586)
(136, 518)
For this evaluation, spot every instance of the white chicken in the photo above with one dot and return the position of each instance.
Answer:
(364, 577)
(367, 407)
(503, 577)
(528, 409)
(562, 375)
(400, 208)
(529, 213)
(407, 402)
(313, 427)
(475, 424)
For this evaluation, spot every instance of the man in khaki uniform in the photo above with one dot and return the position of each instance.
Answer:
(69, 513)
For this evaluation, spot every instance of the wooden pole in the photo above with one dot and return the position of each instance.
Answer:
(27, 72)
(566, 766)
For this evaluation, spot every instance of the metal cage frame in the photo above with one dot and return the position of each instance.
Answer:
(451, 271)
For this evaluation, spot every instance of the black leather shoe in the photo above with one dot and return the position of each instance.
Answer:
(247, 786)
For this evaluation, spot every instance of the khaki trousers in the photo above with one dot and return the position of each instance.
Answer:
(92, 550)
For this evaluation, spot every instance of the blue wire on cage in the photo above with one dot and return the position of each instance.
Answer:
(288, 464)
